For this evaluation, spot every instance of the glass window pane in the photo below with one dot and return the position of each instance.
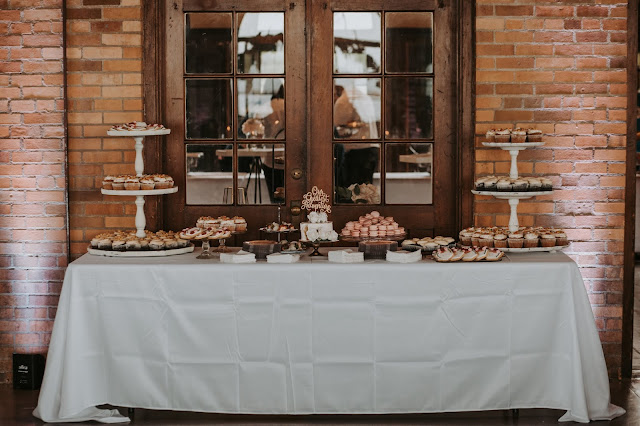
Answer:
(408, 108)
(261, 108)
(408, 178)
(356, 108)
(357, 173)
(208, 41)
(261, 43)
(356, 42)
(261, 173)
(409, 42)
(209, 109)
(209, 174)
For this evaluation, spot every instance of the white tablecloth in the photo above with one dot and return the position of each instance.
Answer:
(315, 337)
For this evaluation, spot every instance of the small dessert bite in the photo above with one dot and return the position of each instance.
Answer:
(503, 135)
(494, 255)
(490, 135)
(118, 183)
(518, 135)
(107, 182)
(547, 239)
(470, 255)
(147, 183)
(534, 135)
(132, 183)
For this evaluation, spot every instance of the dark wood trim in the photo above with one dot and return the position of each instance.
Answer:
(153, 82)
(356, 5)
(630, 190)
(466, 112)
(230, 5)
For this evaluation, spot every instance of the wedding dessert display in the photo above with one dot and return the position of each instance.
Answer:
(521, 239)
(427, 244)
(372, 226)
(133, 185)
(318, 228)
(127, 243)
(469, 254)
(508, 184)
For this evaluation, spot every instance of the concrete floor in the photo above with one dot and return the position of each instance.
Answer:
(16, 408)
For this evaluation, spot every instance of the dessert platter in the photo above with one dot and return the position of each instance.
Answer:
(495, 184)
(128, 244)
(138, 128)
(468, 254)
(210, 228)
(291, 247)
(318, 229)
(427, 244)
(521, 240)
(372, 226)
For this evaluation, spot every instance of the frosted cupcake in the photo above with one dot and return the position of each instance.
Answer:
(107, 182)
(118, 183)
(486, 240)
(161, 181)
(547, 240)
(561, 237)
(465, 236)
(491, 135)
(516, 239)
(132, 183)
(500, 240)
(119, 245)
(147, 183)
(531, 239)
(547, 184)
(133, 245)
(520, 185)
(491, 184)
(534, 135)
(504, 185)
(503, 135)
(518, 135)
(535, 184)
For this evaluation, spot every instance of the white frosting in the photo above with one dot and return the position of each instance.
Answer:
(317, 231)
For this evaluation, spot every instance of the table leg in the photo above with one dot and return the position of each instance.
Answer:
(131, 413)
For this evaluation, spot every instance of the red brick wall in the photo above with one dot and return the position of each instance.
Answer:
(559, 66)
(33, 235)
(104, 77)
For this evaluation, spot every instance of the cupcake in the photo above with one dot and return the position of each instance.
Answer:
(535, 184)
(240, 223)
(156, 244)
(491, 135)
(500, 240)
(107, 182)
(547, 184)
(504, 185)
(547, 240)
(170, 180)
(132, 183)
(133, 244)
(119, 245)
(170, 243)
(491, 184)
(486, 240)
(534, 135)
(518, 135)
(561, 237)
(144, 244)
(479, 184)
(147, 183)
(465, 236)
(520, 185)
(503, 135)
(161, 182)
(516, 239)
(182, 243)
(118, 183)
(531, 239)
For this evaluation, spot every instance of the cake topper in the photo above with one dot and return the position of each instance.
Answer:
(316, 200)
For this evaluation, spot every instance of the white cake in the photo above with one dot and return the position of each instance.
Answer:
(317, 228)
(320, 228)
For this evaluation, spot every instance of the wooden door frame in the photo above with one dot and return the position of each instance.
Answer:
(154, 27)
(630, 191)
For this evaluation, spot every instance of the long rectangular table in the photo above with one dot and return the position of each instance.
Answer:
(316, 337)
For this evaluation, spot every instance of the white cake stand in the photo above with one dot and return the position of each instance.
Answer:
(138, 136)
(513, 198)
(514, 149)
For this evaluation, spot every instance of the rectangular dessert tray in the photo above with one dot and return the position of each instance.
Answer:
(141, 253)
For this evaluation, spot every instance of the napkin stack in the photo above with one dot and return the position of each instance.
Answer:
(346, 256)
(237, 258)
(404, 256)
(282, 258)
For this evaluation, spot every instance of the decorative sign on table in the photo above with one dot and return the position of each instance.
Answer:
(316, 200)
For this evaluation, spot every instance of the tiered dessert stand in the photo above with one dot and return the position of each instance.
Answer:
(513, 197)
(138, 136)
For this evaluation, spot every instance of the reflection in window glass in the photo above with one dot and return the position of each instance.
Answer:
(208, 43)
(409, 42)
(208, 109)
(261, 43)
(209, 174)
(356, 42)
(408, 178)
(409, 108)
(261, 108)
(356, 108)
(261, 173)
(357, 173)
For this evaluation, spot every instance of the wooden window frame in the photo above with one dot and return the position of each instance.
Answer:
(154, 78)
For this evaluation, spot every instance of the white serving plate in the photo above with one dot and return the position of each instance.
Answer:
(507, 195)
(140, 192)
(145, 253)
(138, 132)
(531, 249)
(512, 145)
